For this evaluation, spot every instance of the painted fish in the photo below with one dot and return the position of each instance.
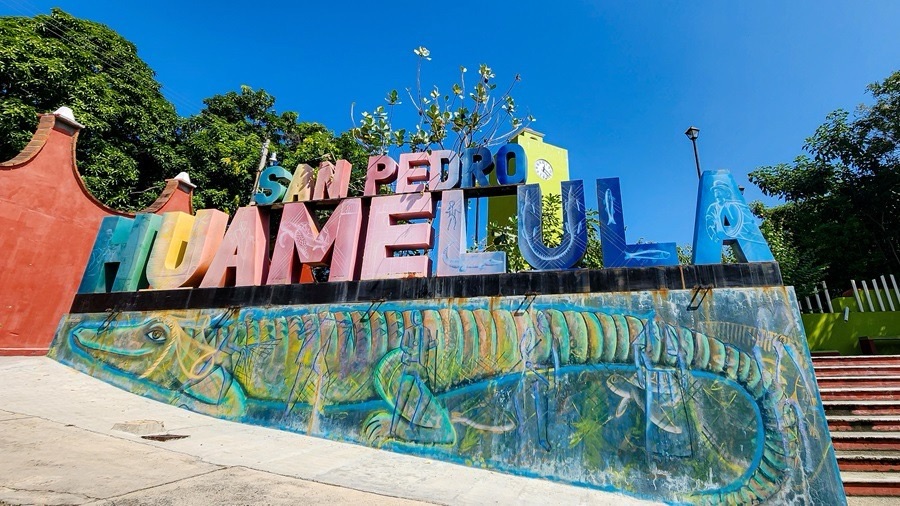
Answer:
(648, 254)
(609, 205)
(465, 263)
(633, 394)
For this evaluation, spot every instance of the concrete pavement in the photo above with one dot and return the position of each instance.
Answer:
(58, 446)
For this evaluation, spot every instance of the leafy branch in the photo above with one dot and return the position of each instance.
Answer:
(467, 117)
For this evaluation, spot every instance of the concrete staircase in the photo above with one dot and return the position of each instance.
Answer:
(861, 396)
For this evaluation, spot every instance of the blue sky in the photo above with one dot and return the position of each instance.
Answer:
(616, 83)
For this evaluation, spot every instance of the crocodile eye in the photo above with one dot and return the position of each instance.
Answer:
(156, 335)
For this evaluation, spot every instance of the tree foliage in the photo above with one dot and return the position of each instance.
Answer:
(466, 116)
(223, 142)
(801, 274)
(841, 216)
(56, 60)
(134, 139)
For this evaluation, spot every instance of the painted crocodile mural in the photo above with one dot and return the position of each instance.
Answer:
(719, 410)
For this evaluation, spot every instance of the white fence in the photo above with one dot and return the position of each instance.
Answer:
(867, 299)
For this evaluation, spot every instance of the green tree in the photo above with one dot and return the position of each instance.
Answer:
(134, 139)
(685, 254)
(466, 116)
(49, 61)
(802, 274)
(223, 142)
(841, 215)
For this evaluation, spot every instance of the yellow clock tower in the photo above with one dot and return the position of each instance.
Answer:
(548, 166)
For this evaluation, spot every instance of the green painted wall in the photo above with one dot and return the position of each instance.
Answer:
(839, 303)
(829, 331)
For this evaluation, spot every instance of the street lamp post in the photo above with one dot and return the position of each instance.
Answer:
(692, 134)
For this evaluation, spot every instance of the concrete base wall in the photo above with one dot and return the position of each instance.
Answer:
(659, 394)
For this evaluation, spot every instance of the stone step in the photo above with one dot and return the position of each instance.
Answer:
(866, 441)
(848, 382)
(868, 461)
(860, 394)
(857, 360)
(829, 371)
(871, 484)
(861, 397)
(861, 408)
(825, 353)
(872, 423)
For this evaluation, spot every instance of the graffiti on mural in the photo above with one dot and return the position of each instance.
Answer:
(644, 397)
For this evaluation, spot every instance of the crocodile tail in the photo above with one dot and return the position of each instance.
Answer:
(766, 479)
(772, 467)
(594, 337)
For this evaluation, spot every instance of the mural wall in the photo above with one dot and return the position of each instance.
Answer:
(633, 392)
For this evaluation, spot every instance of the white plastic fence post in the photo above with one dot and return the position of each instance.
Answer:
(887, 293)
(856, 296)
(868, 296)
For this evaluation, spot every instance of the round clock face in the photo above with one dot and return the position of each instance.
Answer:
(543, 169)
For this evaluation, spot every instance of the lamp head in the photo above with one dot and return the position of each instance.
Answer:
(692, 133)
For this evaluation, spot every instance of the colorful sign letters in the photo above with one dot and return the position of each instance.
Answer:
(723, 217)
(389, 234)
(616, 251)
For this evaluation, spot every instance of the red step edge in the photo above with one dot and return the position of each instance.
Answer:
(874, 488)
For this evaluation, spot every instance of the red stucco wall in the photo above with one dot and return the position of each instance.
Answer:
(48, 222)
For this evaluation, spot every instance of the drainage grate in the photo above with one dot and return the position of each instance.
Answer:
(164, 437)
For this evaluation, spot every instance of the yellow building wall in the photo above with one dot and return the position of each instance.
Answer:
(500, 209)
